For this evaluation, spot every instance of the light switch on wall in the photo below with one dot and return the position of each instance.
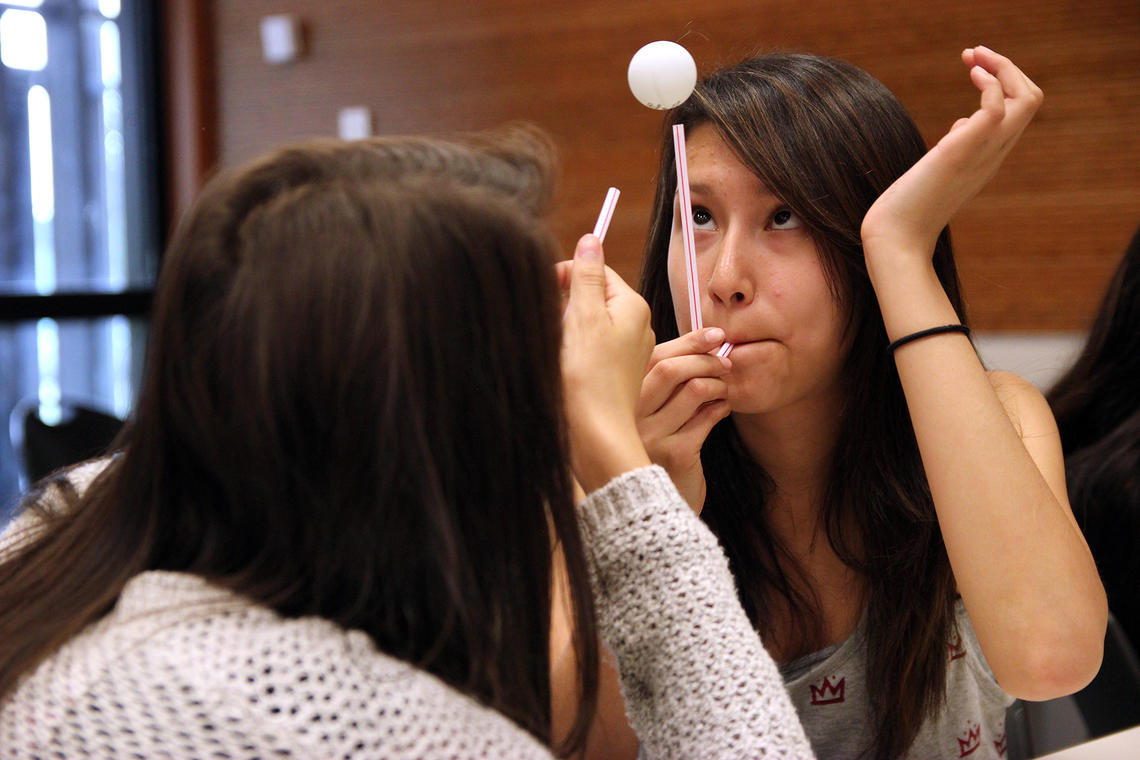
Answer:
(354, 123)
(280, 38)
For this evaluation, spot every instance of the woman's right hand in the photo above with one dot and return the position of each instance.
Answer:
(682, 397)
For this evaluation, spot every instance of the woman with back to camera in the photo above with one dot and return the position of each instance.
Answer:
(329, 531)
(1098, 414)
(895, 515)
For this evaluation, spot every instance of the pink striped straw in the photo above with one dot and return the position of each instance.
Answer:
(607, 214)
(686, 211)
(604, 217)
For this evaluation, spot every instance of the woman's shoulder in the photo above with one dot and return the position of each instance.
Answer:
(1004, 379)
(53, 496)
(58, 492)
(205, 669)
(1023, 402)
(334, 690)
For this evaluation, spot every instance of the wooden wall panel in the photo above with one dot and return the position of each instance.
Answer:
(189, 105)
(1035, 248)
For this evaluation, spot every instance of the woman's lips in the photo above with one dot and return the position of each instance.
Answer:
(727, 347)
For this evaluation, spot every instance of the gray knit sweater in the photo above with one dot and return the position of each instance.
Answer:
(181, 668)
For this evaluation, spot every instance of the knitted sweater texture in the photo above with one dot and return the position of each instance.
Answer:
(180, 668)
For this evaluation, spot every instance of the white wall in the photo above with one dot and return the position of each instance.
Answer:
(1038, 357)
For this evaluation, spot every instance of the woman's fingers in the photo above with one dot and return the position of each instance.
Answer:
(1008, 101)
(685, 400)
(1016, 84)
(993, 95)
(681, 450)
(999, 79)
(697, 342)
(668, 371)
(626, 304)
(682, 398)
(588, 275)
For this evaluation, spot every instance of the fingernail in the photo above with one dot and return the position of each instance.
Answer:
(714, 336)
(726, 362)
(589, 248)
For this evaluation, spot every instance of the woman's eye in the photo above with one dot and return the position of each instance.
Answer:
(785, 219)
(702, 219)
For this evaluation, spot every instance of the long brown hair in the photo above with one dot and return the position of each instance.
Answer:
(1097, 394)
(352, 409)
(827, 139)
(1098, 415)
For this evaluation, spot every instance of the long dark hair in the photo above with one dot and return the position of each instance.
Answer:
(352, 409)
(1097, 408)
(827, 139)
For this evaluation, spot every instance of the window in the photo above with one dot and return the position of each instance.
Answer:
(79, 206)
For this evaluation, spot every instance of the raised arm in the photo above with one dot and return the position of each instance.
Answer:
(988, 441)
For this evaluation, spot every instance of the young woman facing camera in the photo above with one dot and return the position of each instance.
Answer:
(895, 515)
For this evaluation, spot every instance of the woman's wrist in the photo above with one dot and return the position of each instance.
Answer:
(897, 260)
(910, 295)
(604, 452)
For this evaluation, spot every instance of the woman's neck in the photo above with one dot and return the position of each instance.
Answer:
(795, 446)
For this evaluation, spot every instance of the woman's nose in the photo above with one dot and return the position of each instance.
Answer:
(730, 282)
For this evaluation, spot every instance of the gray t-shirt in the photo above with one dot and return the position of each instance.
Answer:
(829, 691)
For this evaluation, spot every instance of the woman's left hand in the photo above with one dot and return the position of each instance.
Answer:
(989, 446)
(911, 213)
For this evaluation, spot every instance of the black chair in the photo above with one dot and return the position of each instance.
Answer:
(41, 446)
(1110, 703)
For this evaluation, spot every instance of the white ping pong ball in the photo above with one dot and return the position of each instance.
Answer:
(662, 74)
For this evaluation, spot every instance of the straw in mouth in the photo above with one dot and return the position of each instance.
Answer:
(685, 208)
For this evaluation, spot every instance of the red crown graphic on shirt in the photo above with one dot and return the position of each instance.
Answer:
(972, 741)
(1000, 745)
(957, 647)
(828, 693)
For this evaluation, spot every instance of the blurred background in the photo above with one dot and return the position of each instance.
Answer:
(116, 111)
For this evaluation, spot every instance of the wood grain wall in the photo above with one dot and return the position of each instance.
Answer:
(1035, 248)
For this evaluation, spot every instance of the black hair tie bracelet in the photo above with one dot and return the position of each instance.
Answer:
(924, 333)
